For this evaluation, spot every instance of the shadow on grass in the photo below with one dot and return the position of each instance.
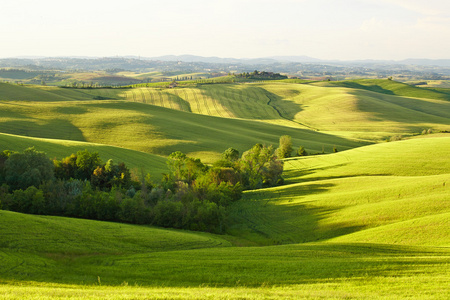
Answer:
(373, 88)
(281, 216)
(52, 129)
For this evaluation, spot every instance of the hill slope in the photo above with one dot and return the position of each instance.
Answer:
(151, 128)
(388, 187)
(371, 109)
(391, 87)
(53, 257)
(135, 160)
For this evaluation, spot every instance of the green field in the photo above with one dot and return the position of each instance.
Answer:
(136, 161)
(369, 222)
(151, 129)
(59, 257)
(368, 109)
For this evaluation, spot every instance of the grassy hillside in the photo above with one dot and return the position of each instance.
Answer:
(357, 111)
(391, 87)
(362, 109)
(370, 192)
(373, 221)
(151, 128)
(53, 257)
(371, 109)
(135, 160)
(12, 92)
(76, 237)
(415, 157)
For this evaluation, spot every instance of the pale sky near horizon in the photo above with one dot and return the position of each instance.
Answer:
(325, 29)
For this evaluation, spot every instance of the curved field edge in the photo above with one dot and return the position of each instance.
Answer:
(426, 231)
(59, 237)
(138, 162)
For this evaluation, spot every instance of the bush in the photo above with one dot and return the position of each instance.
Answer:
(285, 148)
(302, 151)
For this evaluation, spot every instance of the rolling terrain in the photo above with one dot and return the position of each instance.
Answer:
(150, 128)
(351, 237)
(399, 186)
(370, 222)
(368, 109)
(135, 160)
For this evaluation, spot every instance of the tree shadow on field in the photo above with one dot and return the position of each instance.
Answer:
(52, 129)
(373, 88)
(297, 175)
(285, 215)
(71, 110)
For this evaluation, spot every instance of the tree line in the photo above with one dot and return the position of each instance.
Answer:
(263, 75)
(191, 195)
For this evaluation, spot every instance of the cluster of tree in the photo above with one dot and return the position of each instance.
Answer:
(191, 196)
(285, 148)
(263, 75)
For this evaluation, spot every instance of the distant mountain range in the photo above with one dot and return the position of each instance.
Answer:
(297, 59)
(295, 66)
(259, 61)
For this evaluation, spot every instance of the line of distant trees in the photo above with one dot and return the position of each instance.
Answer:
(263, 75)
(191, 196)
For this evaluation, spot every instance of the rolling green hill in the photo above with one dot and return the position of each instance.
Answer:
(361, 109)
(12, 92)
(135, 160)
(398, 186)
(369, 109)
(371, 222)
(75, 237)
(54, 257)
(358, 112)
(151, 128)
(391, 87)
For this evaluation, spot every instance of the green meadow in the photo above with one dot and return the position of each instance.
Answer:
(152, 129)
(368, 222)
(139, 162)
(401, 186)
(359, 108)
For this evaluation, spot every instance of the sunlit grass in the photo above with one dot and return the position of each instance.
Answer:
(149, 128)
(138, 162)
(405, 183)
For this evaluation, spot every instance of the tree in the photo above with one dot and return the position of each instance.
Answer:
(86, 163)
(230, 154)
(66, 168)
(110, 175)
(301, 151)
(30, 168)
(285, 148)
(258, 167)
(184, 168)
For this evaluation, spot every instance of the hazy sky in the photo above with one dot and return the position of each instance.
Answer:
(326, 29)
